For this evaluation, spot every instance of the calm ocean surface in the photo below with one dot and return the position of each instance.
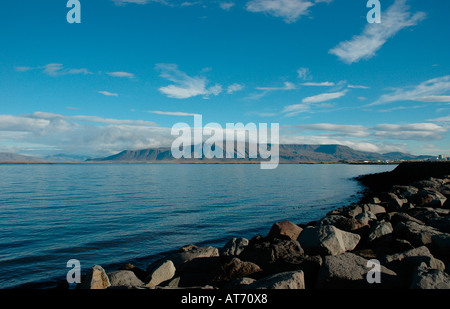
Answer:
(108, 214)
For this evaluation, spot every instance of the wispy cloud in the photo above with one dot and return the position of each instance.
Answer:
(374, 36)
(428, 91)
(183, 114)
(304, 73)
(108, 94)
(324, 97)
(322, 84)
(184, 85)
(295, 109)
(226, 5)
(358, 87)
(234, 88)
(121, 74)
(265, 90)
(289, 10)
(287, 86)
(124, 2)
(54, 69)
(413, 131)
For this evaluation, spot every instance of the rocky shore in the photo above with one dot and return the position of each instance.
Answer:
(396, 237)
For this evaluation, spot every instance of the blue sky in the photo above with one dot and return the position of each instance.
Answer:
(133, 68)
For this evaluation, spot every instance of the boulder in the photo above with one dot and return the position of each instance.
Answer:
(367, 217)
(441, 246)
(428, 183)
(239, 283)
(374, 200)
(374, 209)
(327, 240)
(404, 192)
(379, 230)
(124, 278)
(190, 252)
(429, 198)
(393, 202)
(349, 271)
(236, 269)
(96, 279)
(424, 213)
(395, 217)
(284, 281)
(140, 273)
(343, 223)
(234, 247)
(406, 262)
(428, 278)
(285, 230)
(160, 272)
(417, 234)
(442, 224)
(269, 253)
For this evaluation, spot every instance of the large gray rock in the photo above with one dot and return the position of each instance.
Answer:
(284, 281)
(441, 246)
(441, 223)
(429, 198)
(374, 208)
(410, 259)
(417, 234)
(236, 269)
(343, 223)
(427, 278)
(163, 271)
(190, 252)
(239, 283)
(327, 240)
(234, 247)
(349, 271)
(96, 279)
(268, 254)
(285, 230)
(379, 230)
(124, 278)
(404, 192)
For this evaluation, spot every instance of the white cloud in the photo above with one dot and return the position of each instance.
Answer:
(434, 98)
(287, 86)
(54, 69)
(124, 2)
(172, 113)
(428, 91)
(234, 88)
(374, 36)
(441, 119)
(289, 10)
(108, 94)
(121, 74)
(324, 97)
(323, 84)
(185, 86)
(304, 73)
(295, 109)
(358, 87)
(87, 135)
(226, 5)
(413, 131)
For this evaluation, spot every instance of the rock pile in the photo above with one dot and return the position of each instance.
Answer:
(406, 229)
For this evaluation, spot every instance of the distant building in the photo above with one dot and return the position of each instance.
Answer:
(442, 158)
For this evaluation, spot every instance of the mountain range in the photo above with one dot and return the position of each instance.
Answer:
(288, 153)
